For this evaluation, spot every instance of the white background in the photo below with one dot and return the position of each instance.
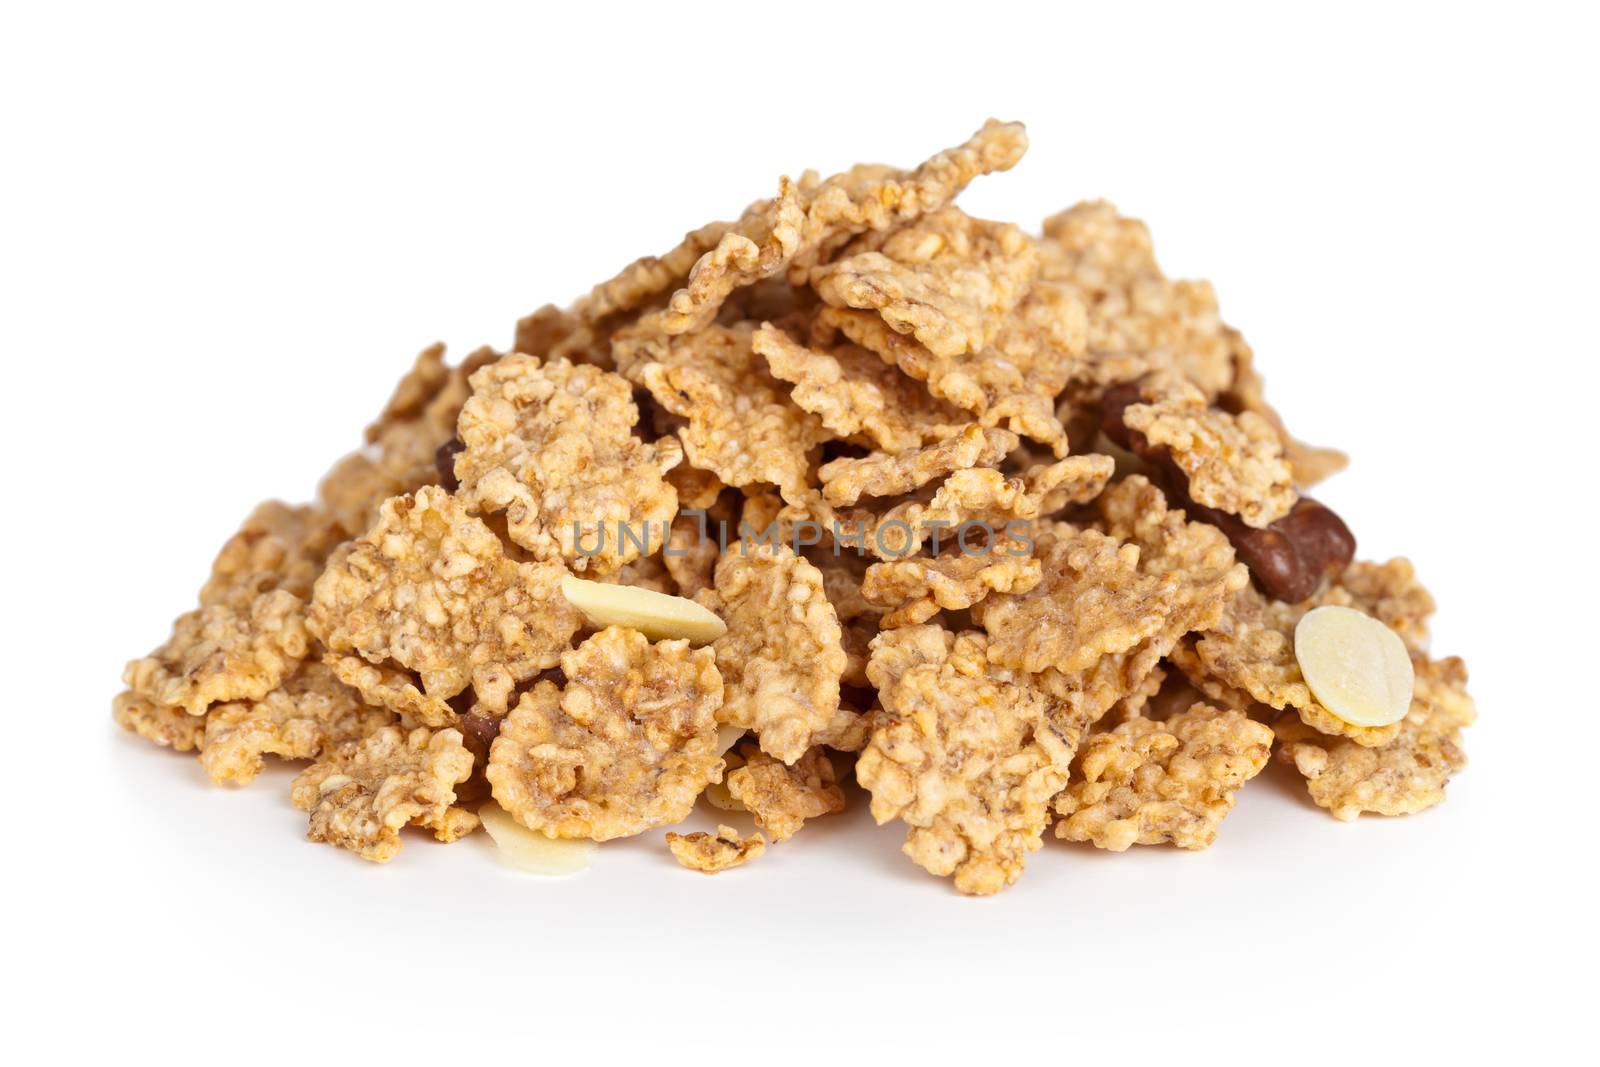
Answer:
(227, 231)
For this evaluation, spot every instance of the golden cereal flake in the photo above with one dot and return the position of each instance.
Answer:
(290, 543)
(552, 445)
(918, 588)
(430, 588)
(742, 425)
(1149, 783)
(1233, 463)
(1194, 565)
(627, 745)
(1251, 647)
(363, 791)
(809, 218)
(946, 279)
(160, 724)
(710, 853)
(847, 480)
(237, 647)
(782, 657)
(1404, 775)
(854, 392)
(308, 713)
(991, 385)
(783, 797)
(965, 754)
(1138, 319)
(397, 690)
(1093, 601)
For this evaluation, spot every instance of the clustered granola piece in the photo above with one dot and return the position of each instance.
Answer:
(1001, 523)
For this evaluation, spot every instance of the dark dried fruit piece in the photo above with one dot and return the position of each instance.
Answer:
(1289, 559)
(445, 460)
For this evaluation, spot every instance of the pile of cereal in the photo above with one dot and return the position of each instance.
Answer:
(1000, 525)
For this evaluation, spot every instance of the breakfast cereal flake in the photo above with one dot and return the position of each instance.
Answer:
(627, 745)
(431, 589)
(552, 445)
(362, 792)
(308, 713)
(782, 657)
(847, 480)
(1148, 782)
(918, 588)
(965, 754)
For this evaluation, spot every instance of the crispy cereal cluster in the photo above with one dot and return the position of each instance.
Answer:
(999, 525)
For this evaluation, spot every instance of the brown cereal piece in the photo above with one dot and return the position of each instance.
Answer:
(290, 543)
(946, 279)
(238, 646)
(361, 792)
(1093, 601)
(854, 392)
(627, 745)
(710, 853)
(402, 444)
(847, 480)
(782, 657)
(1184, 657)
(1403, 776)
(981, 496)
(1233, 463)
(742, 425)
(552, 445)
(431, 589)
(1194, 565)
(809, 218)
(1251, 647)
(1149, 783)
(1138, 320)
(308, 713)
(160, 724)
(783, 797)
(964, 753)
(990, 385)
(646, 279)
(385, 686)
(917, 589)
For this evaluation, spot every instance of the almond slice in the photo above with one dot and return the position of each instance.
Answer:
(1356, 666)
(658, 616)
(533, 852)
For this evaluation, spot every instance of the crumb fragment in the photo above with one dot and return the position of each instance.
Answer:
(1150, 783)
(710, 853)
(627, 745)
(363, 791)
